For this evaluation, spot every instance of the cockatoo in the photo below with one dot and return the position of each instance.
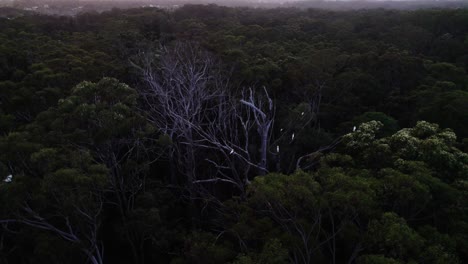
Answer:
(9, 178)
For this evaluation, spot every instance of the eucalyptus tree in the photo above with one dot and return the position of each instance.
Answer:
(100, 120)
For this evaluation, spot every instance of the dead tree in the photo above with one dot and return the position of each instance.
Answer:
(80, 227)
(187, 96)
(179, 86)
(126, 182)
(263, 112)
(315, 232)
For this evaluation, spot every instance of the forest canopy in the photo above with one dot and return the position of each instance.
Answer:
(211, 134)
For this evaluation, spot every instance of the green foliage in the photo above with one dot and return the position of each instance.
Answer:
(203, 247)
(392, 236)
(364, 136)
(84, 157)
(272, 253)
(376, 259)
(93, 114)
(390, 125)
(377, 206)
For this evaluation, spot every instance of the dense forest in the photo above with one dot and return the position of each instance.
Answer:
(212, 134)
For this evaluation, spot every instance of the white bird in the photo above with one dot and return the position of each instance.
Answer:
(292, 136)
(8, 178)
(281, 130)
(302, 113)
(232, 151)
(277, 148)
(354, 128)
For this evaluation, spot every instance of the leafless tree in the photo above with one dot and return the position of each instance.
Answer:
(263, 112)
(316, 233)
(126, 181)
(189, 99)
(79, 225)
(178, 93)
